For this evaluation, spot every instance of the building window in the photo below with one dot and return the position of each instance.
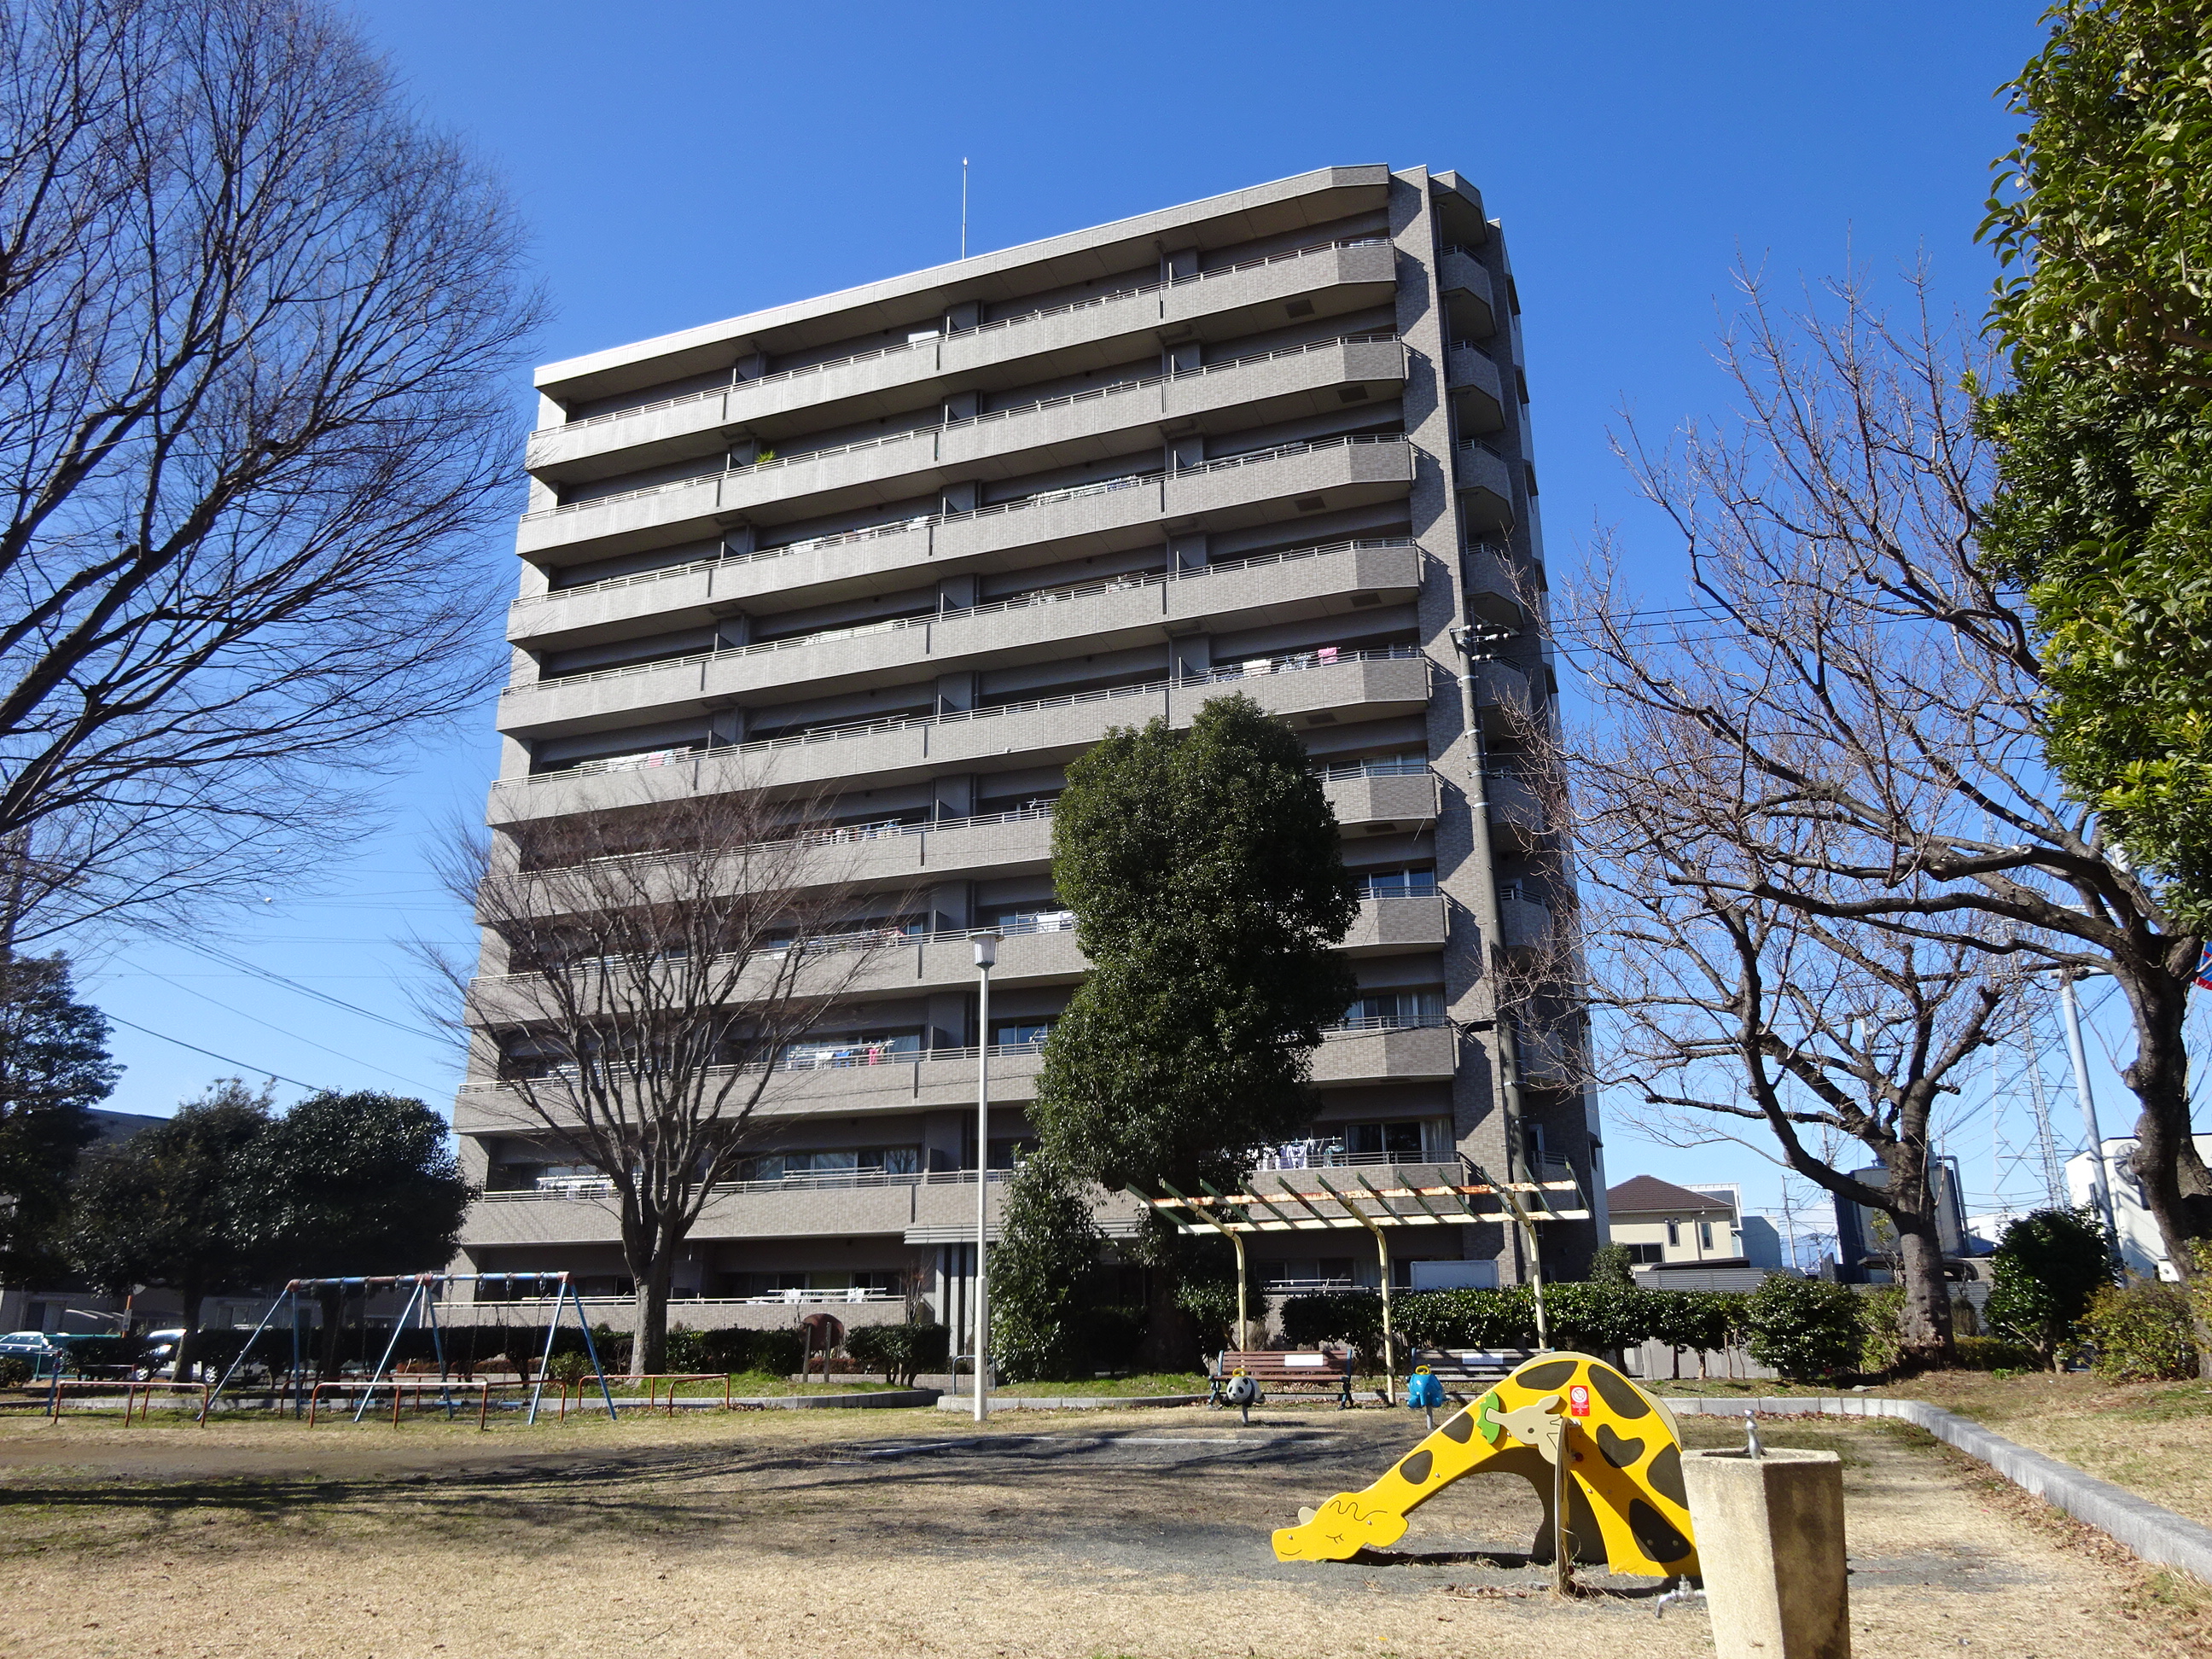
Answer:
(1705, 1235)
(1673, 1232)
(1644, 1254)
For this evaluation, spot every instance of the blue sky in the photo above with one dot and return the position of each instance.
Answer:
(686, 161)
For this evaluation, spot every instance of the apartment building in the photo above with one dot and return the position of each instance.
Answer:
(921, 543)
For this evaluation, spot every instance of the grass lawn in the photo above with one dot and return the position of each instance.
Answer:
(1117, 1388)
(2152, 1438)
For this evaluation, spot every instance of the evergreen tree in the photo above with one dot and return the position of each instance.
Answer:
(2048, 1267)
(1208, 886)
(171, 1205)
(1048, 1245)
(54, 1068)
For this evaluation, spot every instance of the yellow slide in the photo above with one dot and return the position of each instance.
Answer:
(1624, 1470)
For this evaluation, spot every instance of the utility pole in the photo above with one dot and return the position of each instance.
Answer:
(2103, 1168)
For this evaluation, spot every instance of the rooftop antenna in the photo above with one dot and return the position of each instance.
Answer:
(964, 207)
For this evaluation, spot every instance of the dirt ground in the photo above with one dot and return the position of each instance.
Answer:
(2153, 1438)
(901, 1532)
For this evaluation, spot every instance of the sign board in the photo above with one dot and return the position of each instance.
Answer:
(1579, 1401)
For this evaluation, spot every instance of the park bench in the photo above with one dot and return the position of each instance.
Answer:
(1328, 1370)
(1475, 1368)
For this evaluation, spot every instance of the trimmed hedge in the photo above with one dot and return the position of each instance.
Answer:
(2142, 1333)
(901, 1352)
(1592, 1317)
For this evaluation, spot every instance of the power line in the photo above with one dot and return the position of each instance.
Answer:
(258, 972)
(244, 1065)
(350, 1060)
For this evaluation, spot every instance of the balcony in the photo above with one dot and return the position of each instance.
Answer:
(1391, 927)
(1517, 819)
(1337, 276)
(1472, 375)
(1525, 924)
(1501, 697)
(1362, 684)
(1087, 426)
(1035, 627)
(1264, 487)
(750, 1209)
(1495, 590)
(1464, 284)
(900, 1086)
(1485, 484)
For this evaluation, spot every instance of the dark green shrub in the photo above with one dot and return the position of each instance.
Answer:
(1211, 1303)
(1805, 1328)
(901, 1352)
(1502, 1318)
(686, 1352)
(1352, 1318)
(1111, 1333)
(2141, 1334)
(1990, 1353)
(2048, 1266)
(780, 1352)
(1596, 1318)
(570, 1368)
(1700, 1320)
(1881, 1314)
(15, 1371)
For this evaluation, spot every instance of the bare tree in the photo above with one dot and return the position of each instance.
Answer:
(647, 981)
(254, 329)
(1827, 1034)
(1845, 721)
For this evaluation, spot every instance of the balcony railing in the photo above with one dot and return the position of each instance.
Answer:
(939, 520)
(997, 607)
(592, 1188)
(1390, 766)
(1329, 1154)
(924, 340)
(1260, 668)
(776, 462)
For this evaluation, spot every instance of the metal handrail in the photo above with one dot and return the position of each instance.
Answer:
(776, 462)
(784, 374)
(1391, 766)
(936, 520)
(997, 607)
(1296, 664)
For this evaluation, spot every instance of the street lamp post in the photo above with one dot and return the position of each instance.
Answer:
(987, 956)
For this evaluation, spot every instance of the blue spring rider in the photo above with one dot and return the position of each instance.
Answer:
(1425, 1392)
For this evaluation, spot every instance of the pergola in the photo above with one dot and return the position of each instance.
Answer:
(1353, 1203)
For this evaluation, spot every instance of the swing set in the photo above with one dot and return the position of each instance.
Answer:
(299, 1296)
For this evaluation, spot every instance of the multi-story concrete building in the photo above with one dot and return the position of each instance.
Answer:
(923, 541)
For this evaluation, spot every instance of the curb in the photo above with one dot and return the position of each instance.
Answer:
(2153, 1533)
(1068, 1403)
(882, 1399)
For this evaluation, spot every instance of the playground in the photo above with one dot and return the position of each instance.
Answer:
(1135, 1532)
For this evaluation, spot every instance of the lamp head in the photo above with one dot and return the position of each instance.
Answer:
(986, 950)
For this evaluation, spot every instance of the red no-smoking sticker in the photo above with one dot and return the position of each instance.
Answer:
(1578, 1401)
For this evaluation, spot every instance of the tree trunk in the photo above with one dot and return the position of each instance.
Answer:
(2166, 1163)
(648, 1352)
(1170, 1342)
(193, 1294)
(1924, 1323)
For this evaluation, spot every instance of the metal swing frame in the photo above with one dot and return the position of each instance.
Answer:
(421, 1307)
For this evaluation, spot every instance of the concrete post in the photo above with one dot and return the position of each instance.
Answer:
(1771, 1542)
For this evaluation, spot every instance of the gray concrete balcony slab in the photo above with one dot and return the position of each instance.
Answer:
(1392, 926)
(1408, 798)
(1103, 617)
(1335, 279)
(1096, 426)
(1222, 495)
(1485, 485)
(1526, 925)
(910, 751)
(1517, 818)
(1472, 375)
(1501, 697)
(758, 1209)
(1495, 589)
(1466, 286)
(901, 1087)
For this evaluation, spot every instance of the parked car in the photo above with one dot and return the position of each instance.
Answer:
(34, 1347)
(160, 1358)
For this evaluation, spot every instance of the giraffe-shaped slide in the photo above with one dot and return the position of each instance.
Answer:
(1624, 1470)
